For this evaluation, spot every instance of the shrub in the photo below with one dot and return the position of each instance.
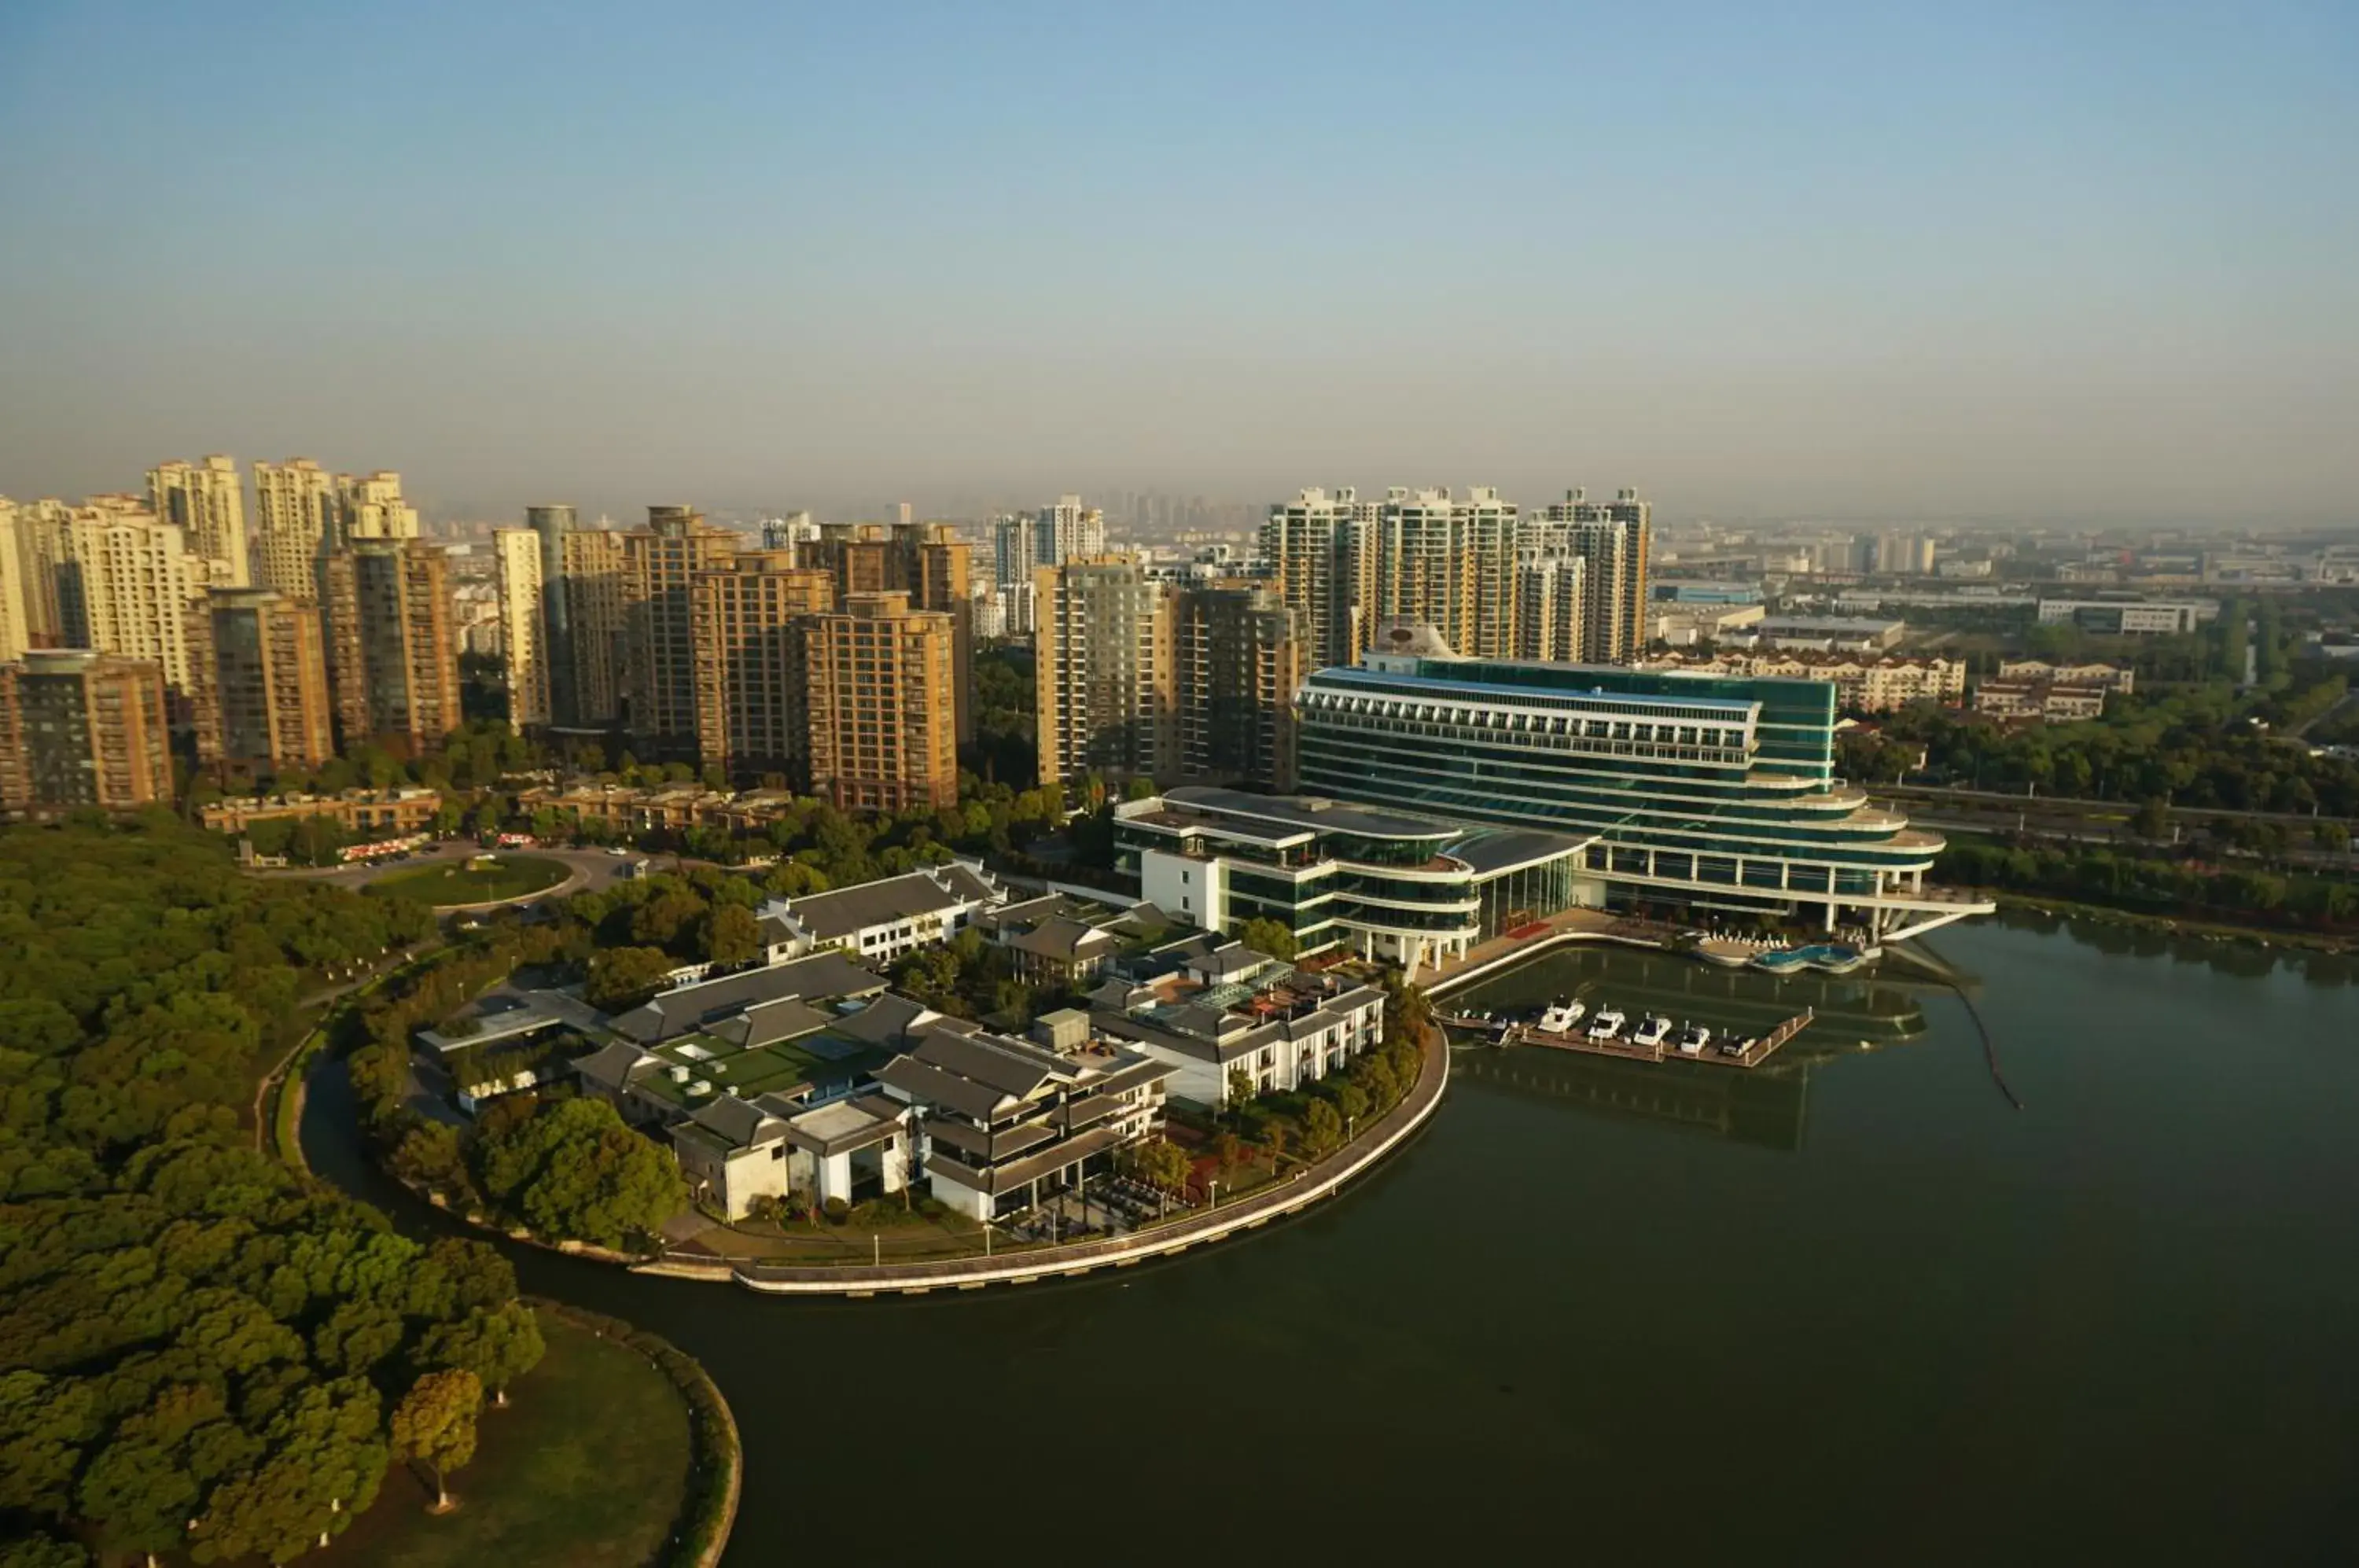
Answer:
(836, 1209)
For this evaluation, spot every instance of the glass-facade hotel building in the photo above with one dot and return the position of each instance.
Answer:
(1696, 792)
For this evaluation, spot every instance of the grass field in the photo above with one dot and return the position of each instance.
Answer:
(508, 876)
(585, 1468)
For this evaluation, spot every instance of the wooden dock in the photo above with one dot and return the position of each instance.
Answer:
(1759, 1052)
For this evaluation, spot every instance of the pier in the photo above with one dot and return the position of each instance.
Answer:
(1754, 1055)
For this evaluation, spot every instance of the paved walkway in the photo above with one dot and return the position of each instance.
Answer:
(1303, 1188)
(1569, 925)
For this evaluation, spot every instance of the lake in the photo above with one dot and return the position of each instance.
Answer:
(1848, 1306)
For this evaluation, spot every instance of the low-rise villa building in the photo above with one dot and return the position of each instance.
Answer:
(735, 1152)
(1220, 1007)
(876, 922)
(1005, 1121)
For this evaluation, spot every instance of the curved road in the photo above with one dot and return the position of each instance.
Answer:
(586, 868)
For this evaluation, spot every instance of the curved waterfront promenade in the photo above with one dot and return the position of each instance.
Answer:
(1249, 1212)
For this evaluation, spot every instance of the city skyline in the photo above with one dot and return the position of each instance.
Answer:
(2080, 266)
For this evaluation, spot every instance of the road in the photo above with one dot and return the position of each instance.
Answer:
(587, 868)
(2011, 800)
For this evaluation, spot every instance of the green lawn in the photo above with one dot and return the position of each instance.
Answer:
(508, 876)
(586, 1468)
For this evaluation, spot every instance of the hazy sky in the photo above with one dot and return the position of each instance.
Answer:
(2039, 260)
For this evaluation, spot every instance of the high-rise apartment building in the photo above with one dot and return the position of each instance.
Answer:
(1616, 539)
(82, 728)
(15, 626)
(42, 544)
(753, 692)
(393, 662)
(370, 507)
(206, 501)
(551, 526)
(661, 563)
(598, 600)
(1426, 565)
(259, 665)
(1014, 557)
(1238, 657)
(1551, 606)
(295, 511)
(524, 625)
(1320, 551)
(935, 566)
(1068, 531)
(860, 556)
(881, 726)
(1103, 664)
(124, 584)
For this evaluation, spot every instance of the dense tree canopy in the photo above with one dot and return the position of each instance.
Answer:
(199, 1345)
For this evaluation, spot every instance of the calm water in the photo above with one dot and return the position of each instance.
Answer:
(1849, 1307)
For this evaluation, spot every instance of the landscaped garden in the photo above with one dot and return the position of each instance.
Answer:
(587, 1465)
(479, 881)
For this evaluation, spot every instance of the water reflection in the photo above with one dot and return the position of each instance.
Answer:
(1763, 1105)
(2246, 957)
(1766, 1106)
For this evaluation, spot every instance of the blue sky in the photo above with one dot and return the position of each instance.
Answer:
(2086, 260)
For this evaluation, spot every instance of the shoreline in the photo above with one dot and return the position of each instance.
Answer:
(2198, 929)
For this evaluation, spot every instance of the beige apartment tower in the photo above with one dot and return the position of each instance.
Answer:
(206, 501)
(1105, 684)
(1320, 548)
(294, 513)
(598, 611)
(260, 665)
(82, 728)
(660, 563)
(523, 625)
(1239, 655)
(751, 688)
(124, 584)
(393, 663)
(882, 732)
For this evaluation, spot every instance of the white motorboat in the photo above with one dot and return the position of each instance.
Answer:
(1561, 1019)
(1652, 1030)
(1605, 1025)
(1692, 1039)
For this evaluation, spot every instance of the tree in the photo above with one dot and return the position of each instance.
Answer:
(1322, 1128)
(1351, 1099)
(731, 935)
(2152, 820)
(1274, 1136)
(1242, 1088)
(574, 1171)
(621, 978)
(1266, 935)
(434, 1426)
(1229, 1151)
(498, 1346)
(1160, 1163)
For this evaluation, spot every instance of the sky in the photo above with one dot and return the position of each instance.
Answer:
(2056, 263)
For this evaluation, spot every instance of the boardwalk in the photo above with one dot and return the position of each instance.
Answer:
(1304, 1187)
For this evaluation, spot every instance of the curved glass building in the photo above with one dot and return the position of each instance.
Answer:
(1698, 791)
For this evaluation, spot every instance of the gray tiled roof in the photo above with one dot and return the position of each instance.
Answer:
(616, 1063)
(828, 916)
(820, 977)
(740, 1125)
